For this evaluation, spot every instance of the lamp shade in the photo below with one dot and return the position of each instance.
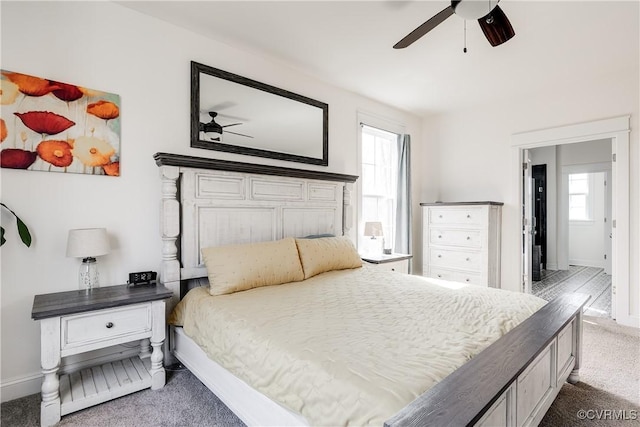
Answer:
(87, 242)
(373, 228)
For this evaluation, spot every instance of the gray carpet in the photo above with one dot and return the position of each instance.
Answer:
(610, 381)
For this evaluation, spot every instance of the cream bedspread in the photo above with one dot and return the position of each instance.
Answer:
(350, 347)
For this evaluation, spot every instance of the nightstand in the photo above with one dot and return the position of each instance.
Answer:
(393, 262)
(80, 321)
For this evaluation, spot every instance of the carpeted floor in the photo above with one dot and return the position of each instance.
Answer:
(609, 390)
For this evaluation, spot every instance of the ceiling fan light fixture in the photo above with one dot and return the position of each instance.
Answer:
(473, 9)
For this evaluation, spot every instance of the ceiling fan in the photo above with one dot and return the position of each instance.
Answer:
(494, 23)
(214, 127)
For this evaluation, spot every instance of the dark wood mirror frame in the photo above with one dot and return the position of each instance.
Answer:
(270, 99)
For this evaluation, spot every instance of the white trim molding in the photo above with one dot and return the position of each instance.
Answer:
(617, 130)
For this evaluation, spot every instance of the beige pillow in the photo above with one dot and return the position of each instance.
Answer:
(240, 267)
(326, 254)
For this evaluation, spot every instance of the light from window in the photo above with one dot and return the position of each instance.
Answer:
(579, 202)
(379, 179)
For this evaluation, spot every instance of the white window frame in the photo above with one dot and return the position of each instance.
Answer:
(382, 123)
(588, 195)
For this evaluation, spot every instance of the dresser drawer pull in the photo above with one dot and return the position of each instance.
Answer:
(439, 216)
(439, 237)
(468, 238)
(109, 325)
(466, 280)
(439, 275)
(439, 256)
(468, 259)
(468, 216)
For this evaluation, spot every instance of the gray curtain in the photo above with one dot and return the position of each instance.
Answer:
(403, 206)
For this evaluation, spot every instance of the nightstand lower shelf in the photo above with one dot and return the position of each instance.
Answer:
(98, 384)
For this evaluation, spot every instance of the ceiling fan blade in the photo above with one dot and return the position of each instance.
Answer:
(424, 28)
(496, 27)
(239, 134)
(232, 124)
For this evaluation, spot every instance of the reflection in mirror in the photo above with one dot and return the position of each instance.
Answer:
(235, 114)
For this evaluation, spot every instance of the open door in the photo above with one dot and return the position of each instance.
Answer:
(608, 231)
(527, 221)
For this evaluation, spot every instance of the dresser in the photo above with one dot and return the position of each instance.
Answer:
(80, 321)
(461, 242)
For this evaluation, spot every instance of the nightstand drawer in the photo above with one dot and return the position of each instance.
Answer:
(401, 266)
(91, 327)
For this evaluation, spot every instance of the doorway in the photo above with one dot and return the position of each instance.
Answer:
(615, 130)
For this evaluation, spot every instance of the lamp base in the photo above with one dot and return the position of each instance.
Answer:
(88, 277)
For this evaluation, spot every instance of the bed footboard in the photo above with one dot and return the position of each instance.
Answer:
(514, 380)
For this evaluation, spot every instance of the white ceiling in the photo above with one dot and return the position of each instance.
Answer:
(349, 44)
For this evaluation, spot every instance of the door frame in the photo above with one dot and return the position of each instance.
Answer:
(617, 129)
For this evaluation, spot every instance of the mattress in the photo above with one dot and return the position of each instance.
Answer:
(350, 347)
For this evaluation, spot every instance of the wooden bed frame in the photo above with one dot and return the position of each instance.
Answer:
(208, 202)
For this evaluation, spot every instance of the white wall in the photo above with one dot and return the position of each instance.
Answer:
(104, 46)
(474, 145)
(586, 238)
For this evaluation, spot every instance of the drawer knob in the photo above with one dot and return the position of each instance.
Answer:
(466, 280)
(439, 256)
(439, 275)
(468, 259)
(468, 238)
(439, 216)
(109, 325)
(439, 237)
(468, 216)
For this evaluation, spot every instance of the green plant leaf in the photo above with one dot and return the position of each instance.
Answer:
(2, 239)
(23, 231)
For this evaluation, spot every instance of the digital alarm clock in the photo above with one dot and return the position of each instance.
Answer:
(142, 278)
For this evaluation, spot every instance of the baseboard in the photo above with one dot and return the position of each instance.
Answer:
(551, 267)
(586, 263)
(18, 387)
(633, 321)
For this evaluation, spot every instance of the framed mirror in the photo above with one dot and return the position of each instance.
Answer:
(238, 115)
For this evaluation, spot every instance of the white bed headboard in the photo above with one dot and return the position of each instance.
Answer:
(209, 202)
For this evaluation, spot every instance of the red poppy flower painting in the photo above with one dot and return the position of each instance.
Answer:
(29, 85)
(52, 126)
(104, 109)
(67, 93)
(58, 153)
(45, 122)
(15, 158)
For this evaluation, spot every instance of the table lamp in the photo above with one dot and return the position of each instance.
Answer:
(88, 243)
(374, 230)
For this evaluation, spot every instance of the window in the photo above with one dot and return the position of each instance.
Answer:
(580, 202)
(379, 180)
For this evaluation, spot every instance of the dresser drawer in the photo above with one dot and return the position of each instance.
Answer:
(457, 276)
(455, 259)
(92, 327)
(458, 216)
(460, 238)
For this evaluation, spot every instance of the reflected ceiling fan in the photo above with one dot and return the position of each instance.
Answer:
(214, 127)
(494, 23)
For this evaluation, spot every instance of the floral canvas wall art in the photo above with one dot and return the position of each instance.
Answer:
(46, 125)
